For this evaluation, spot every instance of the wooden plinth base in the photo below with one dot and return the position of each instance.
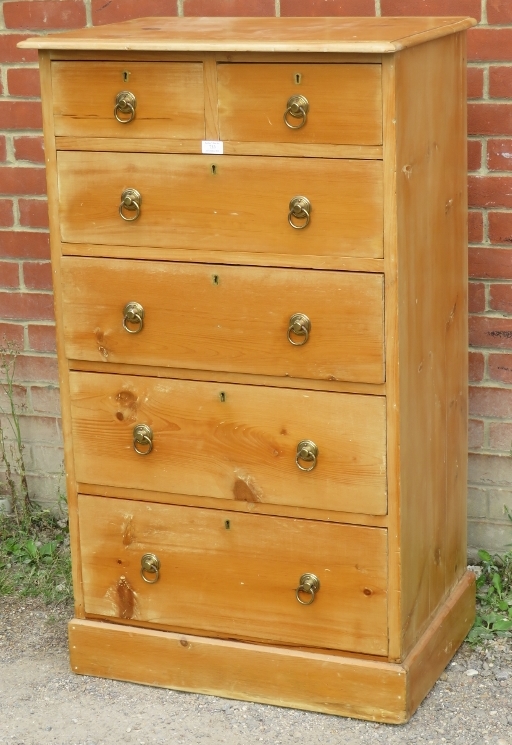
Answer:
(366, 689)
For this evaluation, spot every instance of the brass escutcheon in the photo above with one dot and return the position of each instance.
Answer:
(308, 584)
(308, 452)
(126, 103)
(142, 435)
(300, 209)
(296, 107)
(300, 325)
(133, 313)
(131, 201)
(150, 564)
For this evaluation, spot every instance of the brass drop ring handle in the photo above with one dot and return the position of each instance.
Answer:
(300, 209)
(125, 104)
(150, 564)
(131, 201)
(142, 435)
(296, 107)
(300, 325)
(133, 313)
(306, 451)
(308, 584)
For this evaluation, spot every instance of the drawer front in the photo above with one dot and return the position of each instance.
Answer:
(243, 205)
(169, 99)
(235, 574)
(344, 103)
(231, 441)
(235, 319)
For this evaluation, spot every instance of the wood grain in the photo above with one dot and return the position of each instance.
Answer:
(169, 95)
(244, 205)
(345, 103)
(214, 317)
(236, 573)
(243, 447)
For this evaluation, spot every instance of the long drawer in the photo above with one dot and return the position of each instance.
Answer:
(235, 574)
(262, 102)
(237, 442)
(225, 203)
(236, 319)
(167, 99)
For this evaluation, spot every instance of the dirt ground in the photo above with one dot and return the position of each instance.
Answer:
(42, 702)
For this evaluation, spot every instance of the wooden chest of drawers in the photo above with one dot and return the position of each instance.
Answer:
(259, 250)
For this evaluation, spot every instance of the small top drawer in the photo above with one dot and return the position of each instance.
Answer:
(343, 103)
(167, 99)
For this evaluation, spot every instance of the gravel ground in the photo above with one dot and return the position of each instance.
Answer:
(42, 702)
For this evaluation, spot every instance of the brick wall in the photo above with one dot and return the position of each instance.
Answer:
(25, 286)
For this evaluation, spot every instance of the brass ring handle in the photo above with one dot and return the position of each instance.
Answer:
(300, 325)
(125, 104)
(296, 107)
(133, 313)
(308, 584)
(306, 451)
(142, 435)
(150, 564)
(300, 209)
(131, 201)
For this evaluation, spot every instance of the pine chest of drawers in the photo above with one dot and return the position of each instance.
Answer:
(259, 251)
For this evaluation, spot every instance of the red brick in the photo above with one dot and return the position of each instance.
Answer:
(490, 118)
(327, 8)
(29, 148)
(500, 298)
(33, 213)
(18, 244)
(6, 213)
(490, 263)
(229, 8)
(490, 191)
(492, 44)
(45, 399)
(11, 332)
(476, 366)
(499, 12)
(15, 180)
(124, 10)
(495, 402)
(37, 275)
(475, 82)
(474, 155)
(431, 8)
(500, 367)
(3, 149)
(499, 155)
(9, 274)
(20, 115)
(44, 14)
(475, 227)
(9, 51)
(500, 227)
(500, 82)
(42, 338)
(35, 368)
(487, 331)
(23, 81)
(475, 434)
(476, 298)
(23, 306)
(500, 436)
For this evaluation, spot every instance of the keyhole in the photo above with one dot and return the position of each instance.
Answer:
(215, 279)
(298, 78)
(222, 397)
(214, 169)
(126, 75)
(227, 524)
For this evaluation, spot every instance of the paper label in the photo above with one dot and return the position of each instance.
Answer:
(212, 147)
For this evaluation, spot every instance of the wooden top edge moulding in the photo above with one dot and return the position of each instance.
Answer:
(334, 34)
